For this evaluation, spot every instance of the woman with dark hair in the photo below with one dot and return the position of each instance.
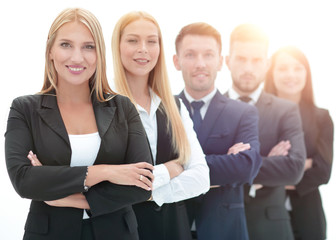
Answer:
(289, 77)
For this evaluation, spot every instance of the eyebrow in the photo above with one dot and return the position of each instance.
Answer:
(67, 40)
(137, 35)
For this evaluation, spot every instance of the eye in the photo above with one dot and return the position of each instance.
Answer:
(90, 46)
(65, 44)
(189, 55)
(153, 41)
(209, 55)
(131, 40)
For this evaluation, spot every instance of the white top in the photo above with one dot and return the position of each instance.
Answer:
(207, 99)
(254, 96)
(84, 150)
(194, 180)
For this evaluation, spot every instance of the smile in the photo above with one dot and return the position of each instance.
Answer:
(76, 69)
(141, 60)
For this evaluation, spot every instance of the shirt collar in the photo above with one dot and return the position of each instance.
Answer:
(206, 99)
(155, 103)
(254, 96)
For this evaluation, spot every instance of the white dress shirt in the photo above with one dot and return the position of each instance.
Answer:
(84, 150)
(194, 180)
(207, 99)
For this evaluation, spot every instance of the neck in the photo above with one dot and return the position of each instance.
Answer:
(291, 97)
(73, 94)
(138, 87)
(197, 95)
(242, 93)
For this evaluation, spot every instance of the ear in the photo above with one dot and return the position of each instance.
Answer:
(220, 64)
(51, 55)
(176, 62)
(227, 61)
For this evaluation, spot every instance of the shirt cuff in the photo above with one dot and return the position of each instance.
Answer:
(161, 176)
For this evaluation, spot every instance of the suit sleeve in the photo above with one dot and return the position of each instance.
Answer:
(285, 170)
(107, 197)
(38, 183)
(322, 159)
(241, 168)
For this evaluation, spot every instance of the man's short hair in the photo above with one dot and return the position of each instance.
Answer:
(199, 28)
(248, 33)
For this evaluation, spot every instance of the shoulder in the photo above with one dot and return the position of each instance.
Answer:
(278, 105)
(27, 101)
(118, 100)
(323, 116)
(237, 106)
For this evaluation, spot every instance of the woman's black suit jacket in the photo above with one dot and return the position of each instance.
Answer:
(35, 124)
(307, 215)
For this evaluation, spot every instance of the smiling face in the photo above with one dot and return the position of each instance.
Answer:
(73, 54)
(289, 75)
(199, 60)
(139, 48)
(248, 64)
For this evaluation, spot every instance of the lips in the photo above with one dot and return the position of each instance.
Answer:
(141, 60)
(75, 69)
(200, 74)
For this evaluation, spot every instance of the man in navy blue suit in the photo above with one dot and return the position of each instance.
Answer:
(227, 131)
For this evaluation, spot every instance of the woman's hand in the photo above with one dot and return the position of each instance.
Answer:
(137, 174)
(76, 200)
(33, 159)
(174, 168)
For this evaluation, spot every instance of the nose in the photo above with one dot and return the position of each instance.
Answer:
(77, 55)
(143, 47)
(200, 62)
(249, 66)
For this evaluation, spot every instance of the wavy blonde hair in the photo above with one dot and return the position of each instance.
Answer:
(98, 82)
(157, 80)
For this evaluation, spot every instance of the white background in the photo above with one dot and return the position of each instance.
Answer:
(24, 25)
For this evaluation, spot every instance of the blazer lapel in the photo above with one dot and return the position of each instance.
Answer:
(104, 114)
(215, 109)
(213, 112)
(51, 115)
(262, 104)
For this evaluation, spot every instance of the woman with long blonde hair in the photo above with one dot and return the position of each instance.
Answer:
(180, 170)
(88, 156)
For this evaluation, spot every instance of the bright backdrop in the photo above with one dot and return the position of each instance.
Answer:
(24, 25)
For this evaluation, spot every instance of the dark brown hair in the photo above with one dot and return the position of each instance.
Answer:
(199, 28)
(307, 95)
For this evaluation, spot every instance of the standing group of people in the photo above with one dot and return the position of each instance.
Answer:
(140, 163)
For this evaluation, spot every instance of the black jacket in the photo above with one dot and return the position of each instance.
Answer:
(35, 124)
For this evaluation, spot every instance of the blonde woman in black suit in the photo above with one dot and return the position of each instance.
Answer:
(88, 156)
(289, 77)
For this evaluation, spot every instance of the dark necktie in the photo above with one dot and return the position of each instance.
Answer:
(245, 99)
(196, 117)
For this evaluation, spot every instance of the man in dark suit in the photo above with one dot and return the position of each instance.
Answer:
(280, 134)
(227, 131)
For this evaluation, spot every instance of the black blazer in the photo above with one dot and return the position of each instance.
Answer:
(266, 215)
(307, 215)
(35, 124)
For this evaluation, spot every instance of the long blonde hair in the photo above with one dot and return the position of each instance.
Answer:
(98, 81)
(158, 81)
